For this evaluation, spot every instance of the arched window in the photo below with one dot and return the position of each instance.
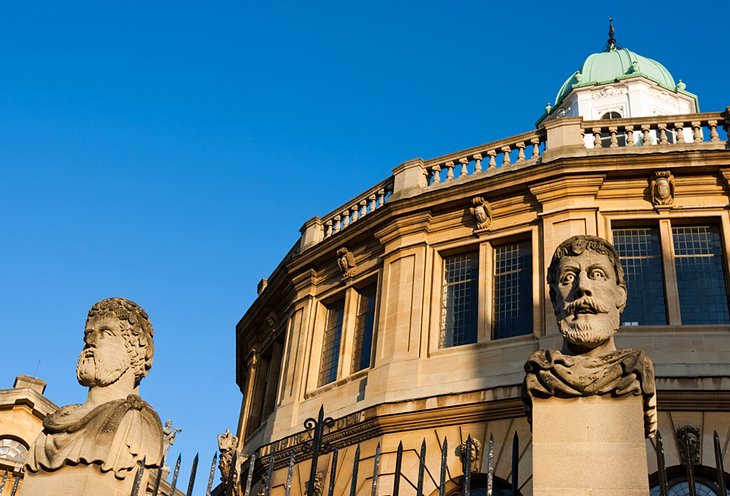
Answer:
(611, 115)
(12, 450)
(677, 484)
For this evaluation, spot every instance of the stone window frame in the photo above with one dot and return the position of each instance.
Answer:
(350, 296)
(665, 222)
(485, 244)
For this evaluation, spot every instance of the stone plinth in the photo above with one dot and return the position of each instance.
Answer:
(79, 480)
(590, 446)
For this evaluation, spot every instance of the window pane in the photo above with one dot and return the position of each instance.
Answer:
(364, 329)
(331, 345)
(700, 275)
(512, 290)
(458, 302)
(639, 249)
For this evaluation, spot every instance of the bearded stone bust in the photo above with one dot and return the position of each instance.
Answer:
(114, 429)
(588, 294)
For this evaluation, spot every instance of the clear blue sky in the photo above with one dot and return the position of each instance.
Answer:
(169, 152)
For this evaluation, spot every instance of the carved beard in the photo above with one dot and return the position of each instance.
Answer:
(101, 368)
(590, 334)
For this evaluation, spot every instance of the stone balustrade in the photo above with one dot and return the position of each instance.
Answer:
(556, 138)
(655, 130)
(526, 147)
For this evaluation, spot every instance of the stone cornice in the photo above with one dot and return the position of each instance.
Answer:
(402, 226)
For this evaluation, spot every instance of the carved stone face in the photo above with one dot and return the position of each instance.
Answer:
(588, 299)
(104, 358)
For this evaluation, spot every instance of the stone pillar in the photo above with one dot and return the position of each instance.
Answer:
(590, 446)
(409, 178)
(312, 233)
(564, 138)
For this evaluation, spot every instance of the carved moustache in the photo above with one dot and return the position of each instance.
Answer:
(585, 304)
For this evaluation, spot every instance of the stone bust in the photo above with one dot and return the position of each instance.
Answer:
(114, 429)
(588, 294)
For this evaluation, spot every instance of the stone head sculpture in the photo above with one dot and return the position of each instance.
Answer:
(94, 447)
(588, 293)
(118, 344)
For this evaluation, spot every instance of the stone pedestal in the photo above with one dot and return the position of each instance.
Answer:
(79, 480)
(590, 446)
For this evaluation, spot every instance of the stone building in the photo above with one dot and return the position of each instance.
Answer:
(409, 311)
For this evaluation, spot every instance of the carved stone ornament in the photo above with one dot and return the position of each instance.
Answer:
(271, 322)
(588, 294)
(482, 212)
(608, 91)
(114, 430)
(227, 447)
(662, 188)
(346, 262)
(169, 432)
(689, 435)
(318, 484)
(474, 455)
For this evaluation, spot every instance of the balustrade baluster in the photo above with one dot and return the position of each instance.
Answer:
(645, 130)
(464, 167)
(363, 208)
(345, 218)
(436, 178)
(713, 131)
(505, 157)
(535, 142)
(477, 162)
(663, 134)
(614, 137)
(492, 159)
(328, 229)
(679, 127)
(338, 223)
(697, 132)
(629, 135)
(354, 215)
(449, 170)
(373, 204)
(381, 197)
(521, 152)
(597, 137)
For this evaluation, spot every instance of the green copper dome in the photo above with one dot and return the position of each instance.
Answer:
(614, 65)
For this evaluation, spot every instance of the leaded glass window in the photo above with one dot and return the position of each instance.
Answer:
(331, 344)
(639, 249)
(364, 324)
(700, 275)
(512, 289)
(12, 450)
(459, 300)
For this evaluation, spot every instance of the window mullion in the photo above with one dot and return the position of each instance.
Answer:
(671, 290)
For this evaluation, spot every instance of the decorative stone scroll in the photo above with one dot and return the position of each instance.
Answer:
(346, 262)
(482, 212)
(662, 188)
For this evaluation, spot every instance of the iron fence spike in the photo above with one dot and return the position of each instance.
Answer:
(211, 476)
(333, 472)
(137, 478)
(17, 481)
(193, 471)
(490, 465)
(719, 464)
(689, 467)
(269, 472)
(249, 477)
(290, 472)
(466, 465)
(355, 467)
(175, 474)
(515, 462)
(2, 482)
(376, 470)
(398, 464)
(231, 473)
(158, 477)
(442, 476)
(661, 465)
(421, 465)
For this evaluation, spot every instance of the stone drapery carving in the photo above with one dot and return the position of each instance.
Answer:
(114, 429)
(588, 294)
(662, 188)
(482, 212)
(346, 262)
